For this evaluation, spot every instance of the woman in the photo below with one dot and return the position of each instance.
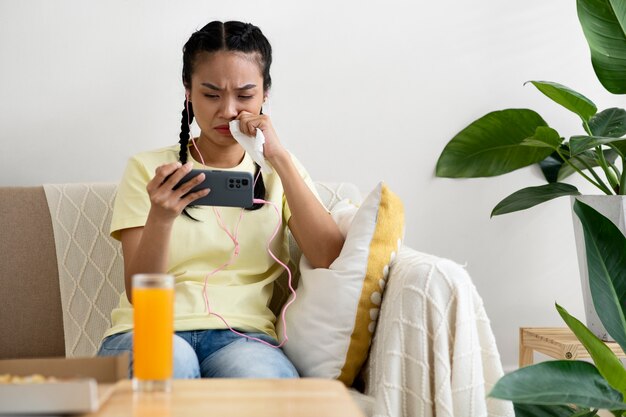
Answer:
(226, 75)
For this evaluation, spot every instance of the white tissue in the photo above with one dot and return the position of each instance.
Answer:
(252, 145)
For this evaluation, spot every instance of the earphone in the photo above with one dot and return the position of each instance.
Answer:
(233, 237)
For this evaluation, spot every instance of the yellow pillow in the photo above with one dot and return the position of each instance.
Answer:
(332, 321)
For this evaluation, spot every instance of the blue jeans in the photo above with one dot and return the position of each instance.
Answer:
(214, 354)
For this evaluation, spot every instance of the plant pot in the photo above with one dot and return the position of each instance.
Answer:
(613, 207)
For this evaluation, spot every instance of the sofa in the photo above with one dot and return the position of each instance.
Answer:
(61, 274)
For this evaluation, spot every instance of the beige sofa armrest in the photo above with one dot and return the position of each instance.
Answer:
(30, 301)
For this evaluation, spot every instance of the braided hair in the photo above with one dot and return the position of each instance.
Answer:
(224, 36)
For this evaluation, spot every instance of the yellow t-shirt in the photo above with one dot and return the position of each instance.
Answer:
(241, 293)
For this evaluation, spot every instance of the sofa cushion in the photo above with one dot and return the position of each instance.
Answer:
(332, 321)
(331, 194)
(30, 304)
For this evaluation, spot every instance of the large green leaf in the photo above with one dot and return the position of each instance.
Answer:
(605, 246)
(587, 157)
(607, 363)
(610, 123)
(490, 146)
(604, 26)
(531, 196)
(620, 146)
(544, 137)
(578, 144)
(558, 383)
(568, 98)
(535, 410)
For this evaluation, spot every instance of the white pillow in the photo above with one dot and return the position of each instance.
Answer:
(332, 321)
(343, 213)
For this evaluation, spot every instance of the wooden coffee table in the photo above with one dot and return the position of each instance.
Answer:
(234, 397)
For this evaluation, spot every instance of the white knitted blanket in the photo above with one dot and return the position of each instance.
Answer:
(433, 353)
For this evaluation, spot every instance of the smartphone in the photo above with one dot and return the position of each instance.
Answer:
(228, 188)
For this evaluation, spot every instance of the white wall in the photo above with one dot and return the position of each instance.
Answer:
(361, 93)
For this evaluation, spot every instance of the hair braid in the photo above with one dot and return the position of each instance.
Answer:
(247, 30)
(259, 188)
(184, 131)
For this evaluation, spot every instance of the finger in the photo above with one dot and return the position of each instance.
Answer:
(161, 173)
(171, 181)
(165, 170)
(253, 125)
(188, 199)
(189, 185)
(245, 123)
(243, 114)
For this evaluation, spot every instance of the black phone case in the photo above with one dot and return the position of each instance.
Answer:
(228, 188)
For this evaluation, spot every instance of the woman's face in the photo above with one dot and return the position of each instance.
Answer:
(224, 84)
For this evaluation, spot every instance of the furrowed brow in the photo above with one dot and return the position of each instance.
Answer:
(247, 87)
(211, 86)
(216, 88)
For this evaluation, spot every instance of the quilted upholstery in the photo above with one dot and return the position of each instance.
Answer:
(91, 270)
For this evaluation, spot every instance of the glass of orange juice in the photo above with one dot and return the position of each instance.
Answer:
(153, 316)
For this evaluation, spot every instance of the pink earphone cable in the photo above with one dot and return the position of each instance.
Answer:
(284, 309)
(233, 237)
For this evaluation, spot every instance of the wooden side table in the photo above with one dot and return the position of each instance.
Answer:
(556, 342)
(303, 397)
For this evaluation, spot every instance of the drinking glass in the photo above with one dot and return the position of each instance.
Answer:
(153, 306)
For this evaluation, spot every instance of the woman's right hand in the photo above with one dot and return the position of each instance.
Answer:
(167, 203)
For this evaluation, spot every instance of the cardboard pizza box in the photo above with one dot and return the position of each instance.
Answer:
(80, 384)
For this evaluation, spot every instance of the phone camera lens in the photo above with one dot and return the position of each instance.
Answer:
(231, 186)
(244, 182)
(231, 180)
(238, 185)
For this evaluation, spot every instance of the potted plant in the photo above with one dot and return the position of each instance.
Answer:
(506, 140)
(503, 141)
(578, 388)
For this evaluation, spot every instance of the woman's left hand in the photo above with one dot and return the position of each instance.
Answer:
(249, 122)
